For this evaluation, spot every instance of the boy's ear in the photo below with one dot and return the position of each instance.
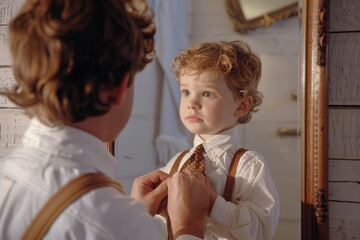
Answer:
(118, 92)
(244, 106)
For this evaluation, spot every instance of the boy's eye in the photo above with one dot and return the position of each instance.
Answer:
(208, 94)
(185, 92)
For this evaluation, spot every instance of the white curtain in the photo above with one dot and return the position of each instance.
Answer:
(171, 35)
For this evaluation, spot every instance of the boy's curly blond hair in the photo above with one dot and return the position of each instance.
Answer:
(66, 51)
(235, 60)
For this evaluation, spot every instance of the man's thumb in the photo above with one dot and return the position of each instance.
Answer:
(157, 195)
(161, 191)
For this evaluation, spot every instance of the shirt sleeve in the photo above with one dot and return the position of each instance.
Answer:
(254, 210)
(162, 221)
(187, 237)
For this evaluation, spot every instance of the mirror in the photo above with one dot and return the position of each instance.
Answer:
(250, 14)
(280, 46)
(309, 200)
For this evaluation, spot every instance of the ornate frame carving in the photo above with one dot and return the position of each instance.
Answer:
(314, 82)
(242, 25)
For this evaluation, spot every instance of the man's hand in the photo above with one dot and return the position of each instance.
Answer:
(151, 189)
(188, 202)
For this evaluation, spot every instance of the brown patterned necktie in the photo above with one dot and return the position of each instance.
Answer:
(196, 161)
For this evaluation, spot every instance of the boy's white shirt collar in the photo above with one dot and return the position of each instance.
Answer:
(219, 143)
(66, 142)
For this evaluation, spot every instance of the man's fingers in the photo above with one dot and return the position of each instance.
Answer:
(163, 206)
(188, 172)
(158, 195)
(152, 179)
(156, 176)
(160, 191)
(208, 181)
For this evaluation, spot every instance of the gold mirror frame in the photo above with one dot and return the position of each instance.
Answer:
(242, 25)
(314, 132)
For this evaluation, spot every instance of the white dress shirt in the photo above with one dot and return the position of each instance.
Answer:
(48, 159)
(254, 209)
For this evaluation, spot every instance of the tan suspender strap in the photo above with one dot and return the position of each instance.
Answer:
(63, 198)
(176, 164)
(231, 174)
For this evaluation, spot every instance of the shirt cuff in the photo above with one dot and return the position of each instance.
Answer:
(221, 209)
(162, 221)
(187, 237)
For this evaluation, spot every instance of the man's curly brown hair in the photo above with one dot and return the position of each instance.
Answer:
(66, 51)
(235, 60)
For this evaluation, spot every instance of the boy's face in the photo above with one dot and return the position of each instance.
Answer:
(207, 105)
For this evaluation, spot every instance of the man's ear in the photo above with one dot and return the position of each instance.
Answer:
(244, 106)
(118, 93)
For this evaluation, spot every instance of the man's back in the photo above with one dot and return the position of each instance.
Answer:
(48, 159)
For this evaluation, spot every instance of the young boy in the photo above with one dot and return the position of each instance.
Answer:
(218, 82)
(74, 62)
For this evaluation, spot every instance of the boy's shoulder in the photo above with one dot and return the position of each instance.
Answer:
(252, 159)
(168, 166)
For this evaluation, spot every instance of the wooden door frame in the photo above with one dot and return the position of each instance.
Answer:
(314, 84)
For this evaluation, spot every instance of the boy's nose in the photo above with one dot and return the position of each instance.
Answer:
(194, 105)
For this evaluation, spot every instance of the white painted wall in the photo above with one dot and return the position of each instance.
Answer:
(135, 146)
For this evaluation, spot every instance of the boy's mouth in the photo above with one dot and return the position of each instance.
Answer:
(193, 119)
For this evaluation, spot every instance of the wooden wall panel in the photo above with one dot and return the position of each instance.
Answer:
(344, 133)
(8, 9)
(344, 179)
(344, 120)
(344, 79)
(6, 81)
(344, 220)
(344, 15)
(13, 123)
(5, 58)
(344, 191)
(344, 170)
